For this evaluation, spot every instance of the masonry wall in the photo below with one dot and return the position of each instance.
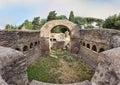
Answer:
(108, 71)
(92, 42)
(90, 56)
(12, 67)
(27, 42)
(28, 45)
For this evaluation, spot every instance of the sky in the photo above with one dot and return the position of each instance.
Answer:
(16, 11)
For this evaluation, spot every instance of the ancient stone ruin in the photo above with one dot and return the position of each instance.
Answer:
(100, 48)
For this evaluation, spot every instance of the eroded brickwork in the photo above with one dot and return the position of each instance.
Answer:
(100, 48)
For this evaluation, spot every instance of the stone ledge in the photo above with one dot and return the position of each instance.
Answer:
(34, 82)
(6, 56)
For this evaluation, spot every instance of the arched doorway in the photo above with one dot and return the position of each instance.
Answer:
(88, 45)
(25, 48)
(46, 33)
(101, 50)
(94, 48)
(60, 37)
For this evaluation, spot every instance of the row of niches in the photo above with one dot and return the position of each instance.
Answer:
(92, 47)
(25, 48)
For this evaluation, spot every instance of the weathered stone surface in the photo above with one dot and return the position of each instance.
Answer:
(31, 44)
(46, 29)
(108, 72)
(46, 33)
(27, 42)
(2, 82)
(13, 66)
(92, 42)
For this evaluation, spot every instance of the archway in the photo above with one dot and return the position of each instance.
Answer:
(60, 37)
(88, 45)
(46, 32)
(94, 48)
(101, 50)
(25, 48)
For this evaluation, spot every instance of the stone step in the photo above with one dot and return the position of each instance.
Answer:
(34, 82)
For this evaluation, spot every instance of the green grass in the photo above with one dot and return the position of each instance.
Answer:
(52, 68)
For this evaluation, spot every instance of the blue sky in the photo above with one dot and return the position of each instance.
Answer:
(16, 11)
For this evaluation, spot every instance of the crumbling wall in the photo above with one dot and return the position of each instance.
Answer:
(12, 67)
(108, 71)
(95, 41)
(27, 42)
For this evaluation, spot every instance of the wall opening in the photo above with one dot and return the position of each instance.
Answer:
(54, 39)
(60, 29)
(18, 49)
(88, 45)
(83, 43)
(35, 44)
(101, 50)
(31, 45)
(25, 48)
(59, 36)
(94, 48)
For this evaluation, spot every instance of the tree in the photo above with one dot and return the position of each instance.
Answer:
(112, 22)
(51, 16)
(27, 24)
(80, 21)
(36, 23)
(7, 27)
(61, 17)
(42, 22)
(71, 17)
(90, 26)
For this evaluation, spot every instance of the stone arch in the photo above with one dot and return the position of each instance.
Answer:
(88, 45)
(94, 48)
(31, 45)
(25, 48)
(46, 28)
(101, 49)
(63, 27)
(46, 31)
